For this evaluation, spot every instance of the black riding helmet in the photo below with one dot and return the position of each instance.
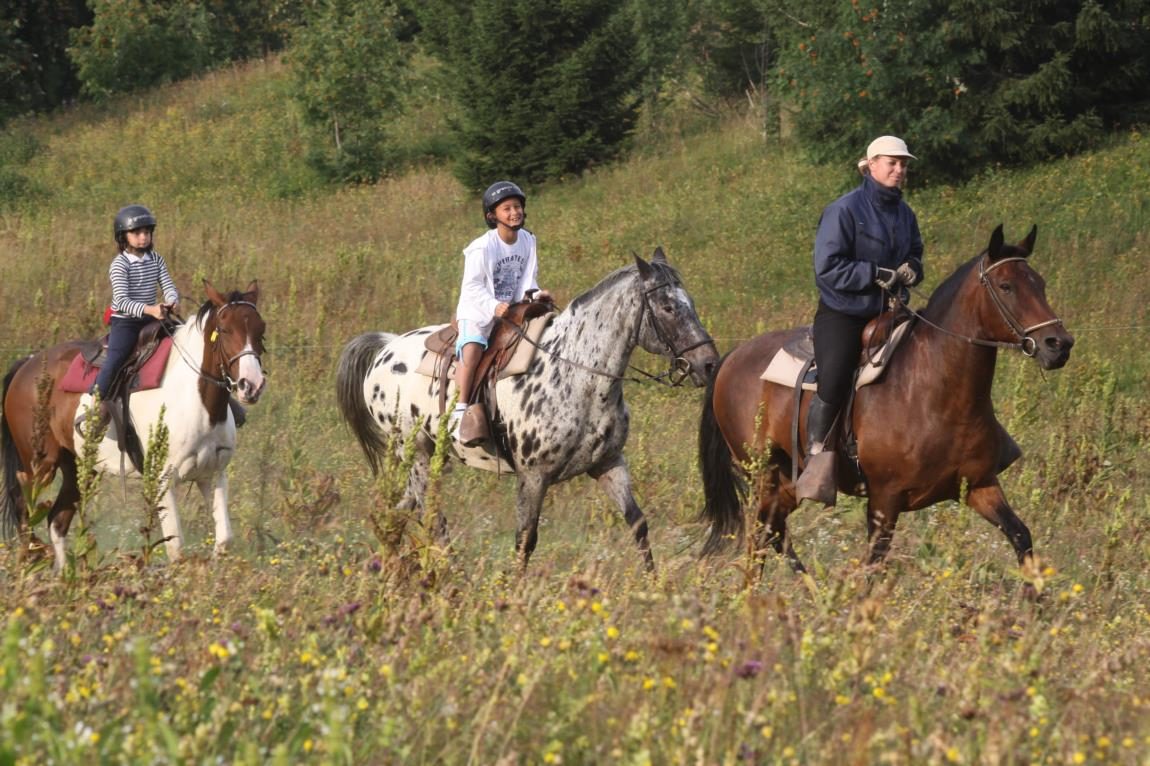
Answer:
(129, 218)
(496, 193)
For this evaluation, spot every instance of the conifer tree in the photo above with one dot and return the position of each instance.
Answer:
(544, 89)
(968, 83)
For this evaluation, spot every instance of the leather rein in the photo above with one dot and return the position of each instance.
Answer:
(678, 369)
(225, 380)
(1027, 345)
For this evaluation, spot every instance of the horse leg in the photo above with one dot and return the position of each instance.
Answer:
(216, 498)
(170, 523)
(990, 502)
(882, 514)
(775, 505)
(63, 509)
(529, 504)
(615, 480)
(415, 492)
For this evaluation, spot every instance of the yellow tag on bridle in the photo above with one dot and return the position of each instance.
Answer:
(215, 334)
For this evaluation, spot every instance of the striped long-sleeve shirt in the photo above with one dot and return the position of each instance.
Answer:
(134, 280)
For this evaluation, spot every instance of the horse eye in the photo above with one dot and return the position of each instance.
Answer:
(1005, 287)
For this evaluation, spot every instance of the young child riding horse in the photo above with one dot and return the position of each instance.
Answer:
(135, 273)
(500, 268)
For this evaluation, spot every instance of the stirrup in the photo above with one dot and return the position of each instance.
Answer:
(818, 480)
(473, 429)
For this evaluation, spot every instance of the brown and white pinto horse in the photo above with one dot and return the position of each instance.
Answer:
(924, 432)
(214, 354)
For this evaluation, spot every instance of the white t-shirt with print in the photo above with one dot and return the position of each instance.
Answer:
(495, 272)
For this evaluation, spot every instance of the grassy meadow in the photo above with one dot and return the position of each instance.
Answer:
(314, 641)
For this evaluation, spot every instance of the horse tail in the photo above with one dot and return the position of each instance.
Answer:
(724, 488)
(11, 497)
(354, 364)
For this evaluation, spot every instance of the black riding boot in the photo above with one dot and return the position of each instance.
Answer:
(817, 481)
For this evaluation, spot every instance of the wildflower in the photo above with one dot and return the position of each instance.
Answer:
(631, 656)
(952, 755)
(767, 732)
(362, 704)
(308, 745)
(749, 669)
(669, 683)
(612, 632)
(648, 683)
(545, 642)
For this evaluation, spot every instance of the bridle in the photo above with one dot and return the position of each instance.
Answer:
(678, 369)
(1027, 345)
(225, 380)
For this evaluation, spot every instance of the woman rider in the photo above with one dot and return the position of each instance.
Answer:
(868, 246)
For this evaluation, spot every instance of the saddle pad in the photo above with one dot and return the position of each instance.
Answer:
(520, 358)
(81, 375)
(785, 368)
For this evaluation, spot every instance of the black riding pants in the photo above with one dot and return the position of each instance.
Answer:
(838, 345)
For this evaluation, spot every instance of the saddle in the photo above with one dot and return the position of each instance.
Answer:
(501, 347)
(793, 366)
(143, 370)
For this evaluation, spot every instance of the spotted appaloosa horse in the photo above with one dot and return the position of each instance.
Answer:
(924, 432)
(214, 354)
(564, 417)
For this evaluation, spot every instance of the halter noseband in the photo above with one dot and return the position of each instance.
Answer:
(225, 380)
(1027, 345)
(679, 367)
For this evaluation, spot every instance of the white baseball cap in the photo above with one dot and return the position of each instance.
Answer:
(891, 146)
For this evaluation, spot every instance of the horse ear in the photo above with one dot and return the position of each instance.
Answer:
(994, 249)
(252, 293)
(213, 294)
(1028, 243)
(659, 256)
(645, 269)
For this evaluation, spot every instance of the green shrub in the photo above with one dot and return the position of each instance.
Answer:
(350, 72)
(967, 84)
(135, 44)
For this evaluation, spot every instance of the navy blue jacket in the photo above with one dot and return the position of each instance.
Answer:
(868, 227)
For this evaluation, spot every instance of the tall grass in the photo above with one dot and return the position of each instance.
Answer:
(303, 645)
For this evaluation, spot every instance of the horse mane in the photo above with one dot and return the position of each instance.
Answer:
(608, 282)
(943, 296)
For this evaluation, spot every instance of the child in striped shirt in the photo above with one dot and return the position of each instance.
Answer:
(135, 273)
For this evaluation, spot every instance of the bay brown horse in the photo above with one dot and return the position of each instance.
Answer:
(214, 354)
(924, 432)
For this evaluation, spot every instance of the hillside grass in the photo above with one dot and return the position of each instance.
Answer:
(315, 642)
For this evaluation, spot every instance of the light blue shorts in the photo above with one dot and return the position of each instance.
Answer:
(467, 334)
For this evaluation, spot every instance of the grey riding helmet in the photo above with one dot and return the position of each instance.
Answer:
(496, 193)
(132, 217)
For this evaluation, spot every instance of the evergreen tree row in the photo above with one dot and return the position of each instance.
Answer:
(544, 89)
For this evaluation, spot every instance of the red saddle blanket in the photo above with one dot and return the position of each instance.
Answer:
(80, 375)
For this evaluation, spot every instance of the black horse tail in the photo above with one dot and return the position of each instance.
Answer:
(354, 364)
(11, 496)
(724, 488)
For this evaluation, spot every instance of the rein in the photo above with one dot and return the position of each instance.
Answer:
(1026, 344)
(225, 380)
(677, 371)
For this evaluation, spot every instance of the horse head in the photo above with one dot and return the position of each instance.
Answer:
(671, 327)
(1018, 292)
(234, 341)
